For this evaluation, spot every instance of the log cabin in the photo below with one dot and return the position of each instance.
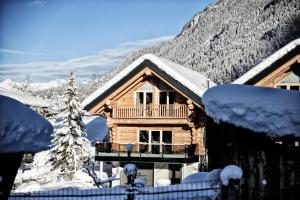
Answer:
(154, 104)
(280, 70)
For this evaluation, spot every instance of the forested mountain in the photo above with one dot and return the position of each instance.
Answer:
(230, 37)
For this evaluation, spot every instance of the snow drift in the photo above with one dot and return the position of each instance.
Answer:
(272, 111)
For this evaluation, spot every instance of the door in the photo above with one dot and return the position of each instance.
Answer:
(144, 104)
(156, 142)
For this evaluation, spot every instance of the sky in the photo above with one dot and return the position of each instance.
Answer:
(46, 39)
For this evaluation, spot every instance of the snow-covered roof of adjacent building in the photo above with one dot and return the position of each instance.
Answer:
(194, 81)
(22, 129)
(275, 112)
(268, 62)
(25, 98)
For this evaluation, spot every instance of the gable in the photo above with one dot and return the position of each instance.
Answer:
(187, 82)
(139, 81)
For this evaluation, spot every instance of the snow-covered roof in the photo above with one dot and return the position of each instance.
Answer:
(193, 80)
(275, 112)
(268, 62)
(24, 98)
(22, 129)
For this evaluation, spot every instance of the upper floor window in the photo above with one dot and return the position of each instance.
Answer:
(167, 97)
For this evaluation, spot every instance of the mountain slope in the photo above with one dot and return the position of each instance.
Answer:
(230, 37)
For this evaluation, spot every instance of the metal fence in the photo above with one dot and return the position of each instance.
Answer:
(210, 190)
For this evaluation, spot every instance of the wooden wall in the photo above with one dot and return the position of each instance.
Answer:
(129, 97)
(270, 170)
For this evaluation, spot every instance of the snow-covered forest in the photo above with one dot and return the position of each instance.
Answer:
(222, 42)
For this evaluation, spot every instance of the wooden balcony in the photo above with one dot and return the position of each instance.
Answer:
(176, 111)
(148, 152)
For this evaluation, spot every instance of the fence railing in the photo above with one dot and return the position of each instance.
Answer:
(151, 111)
(146, 148)
(198, 190)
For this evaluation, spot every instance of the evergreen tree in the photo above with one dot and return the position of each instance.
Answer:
(68, 151)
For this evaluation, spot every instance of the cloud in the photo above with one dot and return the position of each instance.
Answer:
(12, 51)
(36, 3)
(84, 67)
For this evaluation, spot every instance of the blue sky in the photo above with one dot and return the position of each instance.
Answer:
(56, 31)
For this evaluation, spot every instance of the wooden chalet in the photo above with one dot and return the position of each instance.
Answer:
(155, 105)
(280, 70)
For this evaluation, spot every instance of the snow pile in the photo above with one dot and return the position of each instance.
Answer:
(140, 181)
(22, 129)
(230, 172)
(163, 182)
(130, 169)
(25, 98)
(193, 80)
(272, 111)
(211, 177)
(96, 128)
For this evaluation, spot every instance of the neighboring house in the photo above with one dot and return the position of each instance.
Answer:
(155, 105)
(258, 129)
(35, 103)
(280, 70)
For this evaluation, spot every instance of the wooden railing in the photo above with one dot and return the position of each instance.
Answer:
(150, 111)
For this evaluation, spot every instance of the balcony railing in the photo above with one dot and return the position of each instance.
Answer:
(147, 152)
(151, 111)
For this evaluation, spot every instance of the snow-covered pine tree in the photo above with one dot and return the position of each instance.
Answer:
(68, 146)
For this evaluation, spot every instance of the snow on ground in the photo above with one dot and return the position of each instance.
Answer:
(275, 112)
(22, 129)
(212, 178)
(40, 176)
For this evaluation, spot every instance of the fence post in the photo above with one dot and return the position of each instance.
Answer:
(232, 191)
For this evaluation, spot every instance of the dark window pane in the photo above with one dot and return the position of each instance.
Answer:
(294, 87)
(139, 98)
(281, 86)
(172, 97)
(148, 98)
(167, 137)
(163, 98)
(155, 148)
(144, 148)
(155, 137)
(144, 136)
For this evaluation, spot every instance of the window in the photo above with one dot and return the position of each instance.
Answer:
(155, 141)
(281, 86)
(291, 82)
(167, 97)
(144, 98)
(294, 87)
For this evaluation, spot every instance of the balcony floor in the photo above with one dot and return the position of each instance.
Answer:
(147, 157)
